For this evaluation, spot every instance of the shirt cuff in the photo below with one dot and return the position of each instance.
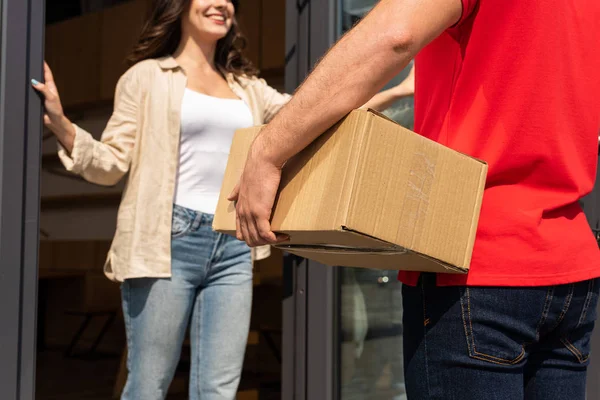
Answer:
(83, 147)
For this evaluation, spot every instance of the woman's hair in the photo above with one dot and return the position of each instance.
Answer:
(162, 33)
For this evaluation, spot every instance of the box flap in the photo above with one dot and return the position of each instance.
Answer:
(385, 260)
(382, 115)
(368, 249)
(339, 249)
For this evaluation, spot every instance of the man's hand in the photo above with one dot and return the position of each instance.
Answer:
(254, 196)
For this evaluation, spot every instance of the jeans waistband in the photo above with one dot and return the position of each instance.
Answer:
(200, 218)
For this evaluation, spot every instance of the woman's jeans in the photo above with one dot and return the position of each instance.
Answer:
(211, 291)
(498, 343)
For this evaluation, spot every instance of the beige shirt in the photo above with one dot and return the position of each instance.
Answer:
(142, 139)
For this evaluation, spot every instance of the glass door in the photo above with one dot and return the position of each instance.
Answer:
(370, 311)
(342, 326)
(21, 56)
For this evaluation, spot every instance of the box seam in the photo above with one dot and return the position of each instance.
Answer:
(368, 117)
(476, 215)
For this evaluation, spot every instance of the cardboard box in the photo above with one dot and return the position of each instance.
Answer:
(369, 193)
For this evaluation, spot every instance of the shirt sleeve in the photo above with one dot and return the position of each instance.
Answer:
(106, 161)
(273, 100)
(468, 7)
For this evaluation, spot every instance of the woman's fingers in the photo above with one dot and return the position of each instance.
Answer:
(39, 86)
(49, 77)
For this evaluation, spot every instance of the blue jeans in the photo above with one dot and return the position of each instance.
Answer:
(211, 291)
(496, 342)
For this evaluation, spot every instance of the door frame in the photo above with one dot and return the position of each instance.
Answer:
(310, 304)
(21, 47)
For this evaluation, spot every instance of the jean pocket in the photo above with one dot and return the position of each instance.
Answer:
(181, 222)
(577, 341)
(490, 318)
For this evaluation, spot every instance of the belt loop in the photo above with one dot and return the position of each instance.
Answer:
(198, 219)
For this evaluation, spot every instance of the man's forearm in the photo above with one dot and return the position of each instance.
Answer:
(347, 77)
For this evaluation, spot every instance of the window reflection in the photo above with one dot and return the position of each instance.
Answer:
(371, 334)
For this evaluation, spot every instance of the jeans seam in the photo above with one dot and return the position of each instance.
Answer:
(425, 339)
(462, 308)
(215, 254)
(565, 307)
(545, 311)
(473, 350)
(571, 347)
(220, 247)
(586, 304)
(197, 339)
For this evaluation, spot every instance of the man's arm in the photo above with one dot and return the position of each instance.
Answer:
(352, 72)
(355, 69)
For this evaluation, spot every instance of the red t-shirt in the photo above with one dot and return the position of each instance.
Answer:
(517, 84)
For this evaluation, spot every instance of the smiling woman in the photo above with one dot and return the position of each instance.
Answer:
(162, 32)
(188, 89)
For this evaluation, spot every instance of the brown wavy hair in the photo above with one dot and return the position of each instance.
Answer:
(162, 33)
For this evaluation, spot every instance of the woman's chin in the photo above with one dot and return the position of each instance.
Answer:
(213, 33)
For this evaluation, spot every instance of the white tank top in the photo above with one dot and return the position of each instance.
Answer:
(207, 127)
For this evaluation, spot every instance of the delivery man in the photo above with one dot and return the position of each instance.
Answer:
(516, 84)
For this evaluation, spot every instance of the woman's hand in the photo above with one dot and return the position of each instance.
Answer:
(54, 117)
